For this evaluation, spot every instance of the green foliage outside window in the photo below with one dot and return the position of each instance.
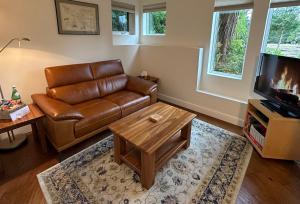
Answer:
(232, 35)
(274, 51)
(232, 39)
(159, 21)
(120, 20)
(284, 34)
(155, 22)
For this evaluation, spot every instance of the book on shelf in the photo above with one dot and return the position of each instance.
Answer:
(254, 141)
(259, 139)
(256, 131)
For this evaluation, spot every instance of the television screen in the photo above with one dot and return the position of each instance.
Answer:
(279, 80)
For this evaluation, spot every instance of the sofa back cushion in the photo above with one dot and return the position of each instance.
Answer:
(106, 68)
(75, 93)
(71, 83)
(109, 85)
(77, 83)
(110, 76)
(68, 74)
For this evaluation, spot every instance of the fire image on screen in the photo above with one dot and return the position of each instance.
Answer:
(280, 79)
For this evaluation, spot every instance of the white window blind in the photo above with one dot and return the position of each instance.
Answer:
(284, 3)
(230, 5)
(120, 6)
(154, 7)
(227, 5)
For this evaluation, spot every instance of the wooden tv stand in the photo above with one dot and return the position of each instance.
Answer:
(282, 135)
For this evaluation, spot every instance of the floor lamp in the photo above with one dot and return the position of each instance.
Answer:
(5, 46)
(12, 142)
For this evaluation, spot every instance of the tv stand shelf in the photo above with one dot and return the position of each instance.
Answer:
(281, 135)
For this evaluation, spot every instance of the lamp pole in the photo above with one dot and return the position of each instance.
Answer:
(11, 142)
(2, 97)
(5, 46)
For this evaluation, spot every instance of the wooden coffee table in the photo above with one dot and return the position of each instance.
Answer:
(145, 146)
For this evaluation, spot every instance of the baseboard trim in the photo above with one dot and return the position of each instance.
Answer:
(200, 109)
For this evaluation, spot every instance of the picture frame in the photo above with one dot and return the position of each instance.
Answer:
(77, 18)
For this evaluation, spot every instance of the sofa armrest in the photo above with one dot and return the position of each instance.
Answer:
(140, 85)
(56, 109)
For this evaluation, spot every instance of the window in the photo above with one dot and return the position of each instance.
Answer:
(154, 19)
(155, 22)
(120, 21)
(230, 32)
(282, 36)
(123, 18)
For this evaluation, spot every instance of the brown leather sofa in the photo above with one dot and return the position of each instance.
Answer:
(82, 99)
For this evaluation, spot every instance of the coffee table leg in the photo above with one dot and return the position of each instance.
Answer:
(186, 134)
(119, 148)
(148, 170)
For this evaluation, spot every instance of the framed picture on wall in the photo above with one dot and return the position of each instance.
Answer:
(77, 18)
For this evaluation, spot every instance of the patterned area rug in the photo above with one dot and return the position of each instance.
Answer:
(211, 170)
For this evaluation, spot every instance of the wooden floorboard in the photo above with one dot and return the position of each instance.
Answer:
(266, 181)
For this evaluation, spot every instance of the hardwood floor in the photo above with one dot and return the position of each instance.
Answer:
(266, 181)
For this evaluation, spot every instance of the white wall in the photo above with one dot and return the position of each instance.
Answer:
(174, 60)
(177, 68)
(36, 19)
(234, 88)
(188, 23)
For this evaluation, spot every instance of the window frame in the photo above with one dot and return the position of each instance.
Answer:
(267, 31)
(146, 22)
(213, 46)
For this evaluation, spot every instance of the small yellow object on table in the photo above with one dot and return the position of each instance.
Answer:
(155, 118)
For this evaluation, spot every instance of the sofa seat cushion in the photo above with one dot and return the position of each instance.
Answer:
(128, 101)
(97, 113)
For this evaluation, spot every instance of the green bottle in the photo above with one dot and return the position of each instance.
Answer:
(15, 94)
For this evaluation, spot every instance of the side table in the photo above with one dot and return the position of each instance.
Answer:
(150, 78)
(34, 118)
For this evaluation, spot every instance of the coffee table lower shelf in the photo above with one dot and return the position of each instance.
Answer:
(133, 157)
(145, 146)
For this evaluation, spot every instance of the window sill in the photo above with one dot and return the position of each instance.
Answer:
(154, 35)
(122, 33)
(225, 75)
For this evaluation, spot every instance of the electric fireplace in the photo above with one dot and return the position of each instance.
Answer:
(278, 80)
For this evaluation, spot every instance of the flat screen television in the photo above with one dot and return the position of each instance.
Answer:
(278, 80)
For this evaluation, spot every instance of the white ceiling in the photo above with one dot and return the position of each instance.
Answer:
(219, 3)
(280, 1)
